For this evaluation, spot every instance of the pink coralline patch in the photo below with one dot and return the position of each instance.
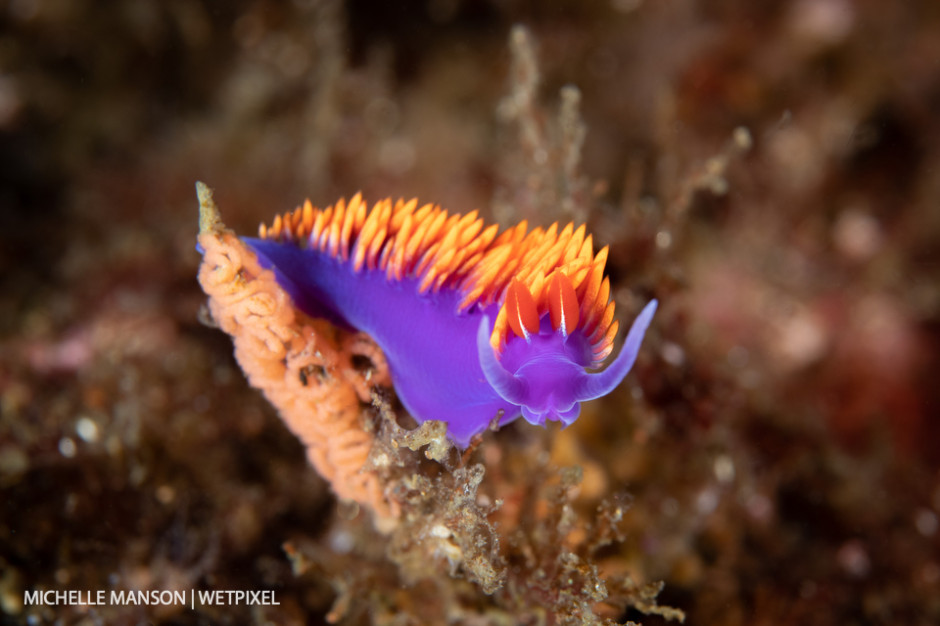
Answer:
(873, 369)
(740, 309)
(855, 357)
(68, 355)
(304, 367)
(105, 334)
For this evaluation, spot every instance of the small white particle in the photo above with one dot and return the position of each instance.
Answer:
(663, 240)
(67, 447)
(672, 353)
(742, 138)
(857, 235)
(759, 507)
(341, 542)
(87, 429)
(707, 501)
(165, 494)
(724, 469)
(439, 530)
(853, 557)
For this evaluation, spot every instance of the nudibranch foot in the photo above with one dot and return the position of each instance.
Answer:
(475, 325)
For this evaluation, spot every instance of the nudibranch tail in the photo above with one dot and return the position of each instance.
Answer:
(474, 323)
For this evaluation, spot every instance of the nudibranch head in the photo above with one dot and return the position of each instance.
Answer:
(546, 375)
(475, 324)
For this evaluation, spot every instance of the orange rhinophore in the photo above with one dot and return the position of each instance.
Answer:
(520, 310)
(303, 366)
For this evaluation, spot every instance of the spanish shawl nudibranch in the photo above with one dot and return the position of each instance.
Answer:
(475, 325)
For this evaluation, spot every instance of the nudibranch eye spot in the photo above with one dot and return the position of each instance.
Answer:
(474, 323)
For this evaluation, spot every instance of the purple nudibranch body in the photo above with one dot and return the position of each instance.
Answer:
(474, 326)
